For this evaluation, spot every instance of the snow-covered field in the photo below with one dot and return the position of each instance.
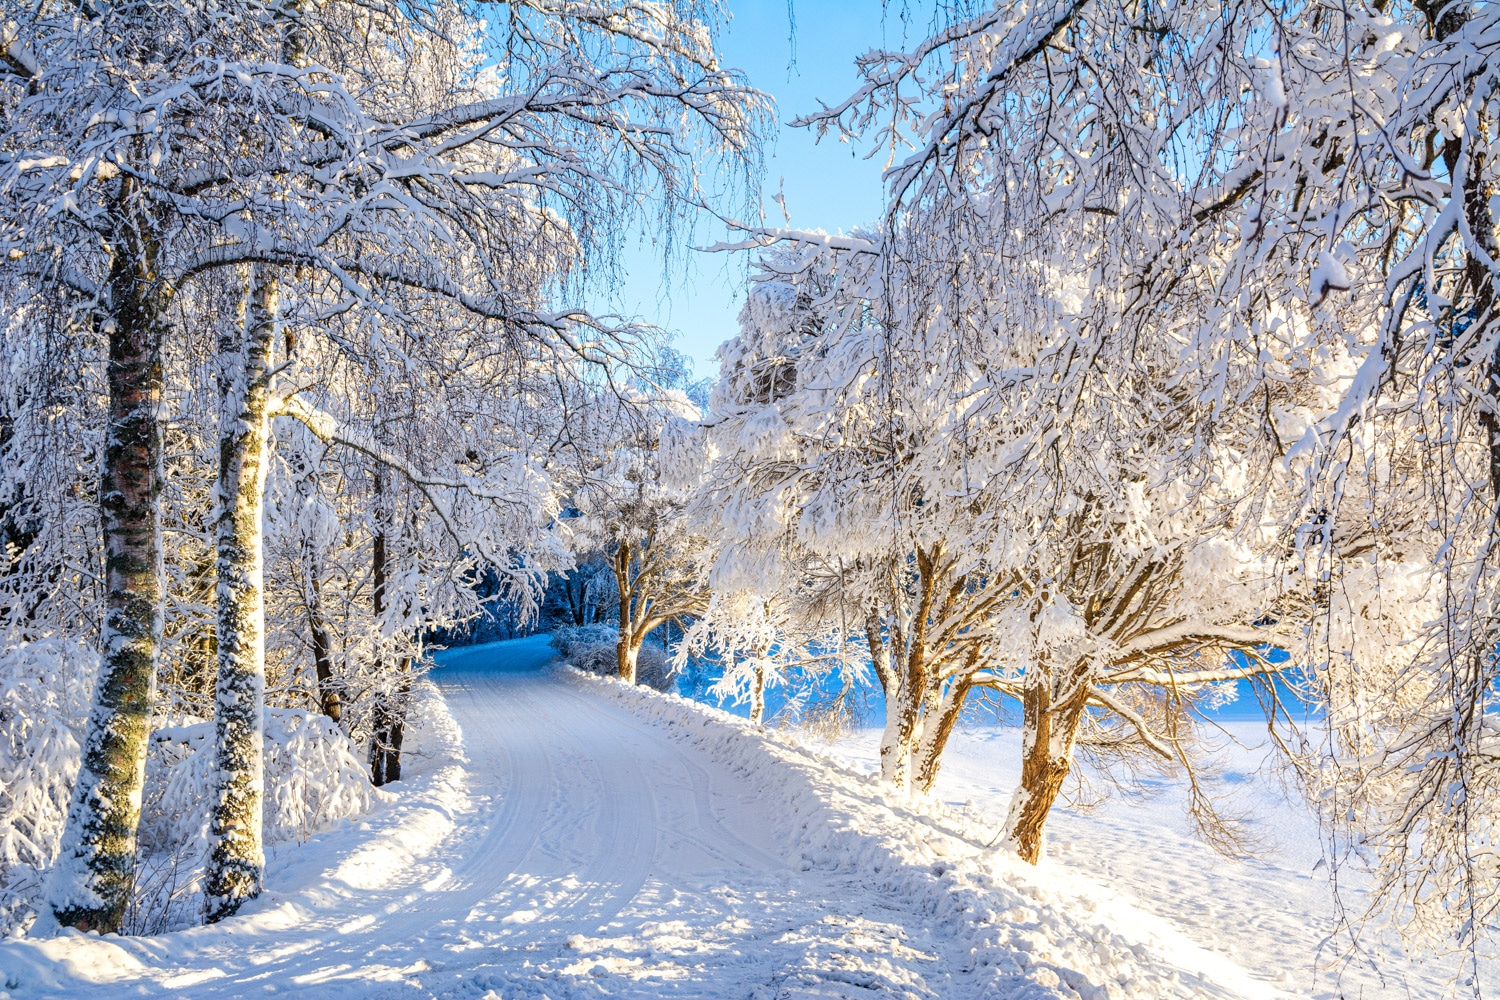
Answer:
(562, 836)
(1270, 915)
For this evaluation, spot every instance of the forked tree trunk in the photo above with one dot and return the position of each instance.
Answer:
(936, 729)
(91, 883)
(237, 860)
(1051, 732)
(628, 644)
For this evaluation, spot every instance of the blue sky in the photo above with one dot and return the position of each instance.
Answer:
(827, 185)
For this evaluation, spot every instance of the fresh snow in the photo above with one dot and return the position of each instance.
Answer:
(565, 836)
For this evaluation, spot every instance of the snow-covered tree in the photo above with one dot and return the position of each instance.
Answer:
(632, 510)
(1263, 240)
(391, 153)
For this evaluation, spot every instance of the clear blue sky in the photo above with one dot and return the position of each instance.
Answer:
(827, 185)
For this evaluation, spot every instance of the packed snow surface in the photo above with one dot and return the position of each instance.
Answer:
(564, 836)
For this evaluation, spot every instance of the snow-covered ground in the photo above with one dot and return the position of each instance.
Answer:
(562, 836)
(1271, 914)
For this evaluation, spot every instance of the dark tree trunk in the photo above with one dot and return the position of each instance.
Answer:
(386, 737)
(329, 701)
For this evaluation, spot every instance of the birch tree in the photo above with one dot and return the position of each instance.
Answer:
(354, 187)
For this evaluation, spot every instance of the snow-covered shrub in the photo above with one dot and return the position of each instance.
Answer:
(45, 691)
(593, 648)
(313, 778)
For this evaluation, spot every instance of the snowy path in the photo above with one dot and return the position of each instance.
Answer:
(604, 842)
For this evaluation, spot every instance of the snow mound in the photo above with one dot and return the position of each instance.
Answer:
(313, 779)
(310, 884)
(45, 691)
(1021, 933)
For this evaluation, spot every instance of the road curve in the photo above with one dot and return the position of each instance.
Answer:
(585, 855)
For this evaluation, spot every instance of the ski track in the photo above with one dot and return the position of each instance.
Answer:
(580, 850)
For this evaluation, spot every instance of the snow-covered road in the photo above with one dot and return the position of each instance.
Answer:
(584, 840)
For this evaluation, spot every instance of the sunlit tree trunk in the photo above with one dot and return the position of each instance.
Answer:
(632, 615)
(1052, 710)
(936, 729)
(893, 754)
(237, 859)
(92, 881)
(758, 693)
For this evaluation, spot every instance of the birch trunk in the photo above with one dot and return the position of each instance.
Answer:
(237, 859)
(91, 883)
(1051, 732)
(387, 729)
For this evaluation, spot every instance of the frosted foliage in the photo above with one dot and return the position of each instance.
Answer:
(45, 691)
(593, 648)
(314, 777)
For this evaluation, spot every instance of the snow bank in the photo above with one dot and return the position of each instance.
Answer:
(311, 886)
(1024, 933)
(45, 691)
(313, 776)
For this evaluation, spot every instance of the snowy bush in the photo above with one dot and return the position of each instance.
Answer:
(313, 778)
(45, 691)
(592, 648)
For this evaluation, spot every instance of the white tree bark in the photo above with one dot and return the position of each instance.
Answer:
(237, 859)
(90, 885)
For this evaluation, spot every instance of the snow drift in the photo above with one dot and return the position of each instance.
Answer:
(314, 778)
(1024, 933)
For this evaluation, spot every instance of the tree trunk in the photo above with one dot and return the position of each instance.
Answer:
(627, 653)
(237, 859)
(329, 701)
(893, 754)
(935, 733)
(895, 740)
(380, 735)
(95, 872)
(388, 723)
(628, 645)
(385, 757)
(758, 693)
(1051, 731)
